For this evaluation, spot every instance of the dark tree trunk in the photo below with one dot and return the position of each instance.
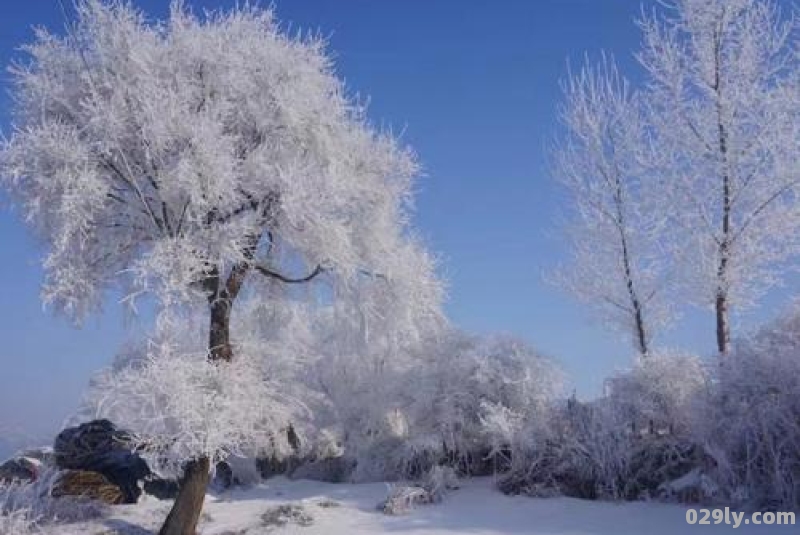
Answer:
(637, 309)
(219, 334)
(723, 327)
(222, 293)
(185, 512)
(725, 241)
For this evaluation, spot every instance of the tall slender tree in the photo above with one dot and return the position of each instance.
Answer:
(615, 223)
(184, 158)
(724, 106)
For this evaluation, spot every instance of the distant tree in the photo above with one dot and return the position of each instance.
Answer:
(183, 159)
(724, 99)
(614, 223)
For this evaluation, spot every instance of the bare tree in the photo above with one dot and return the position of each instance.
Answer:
(724, 105)
(184, 158)
(615, 223)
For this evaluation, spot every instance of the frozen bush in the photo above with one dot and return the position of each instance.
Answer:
(475, 394)
(623, 445)
(402, 498)
(25, 507)
(750, 423)
(656, 396)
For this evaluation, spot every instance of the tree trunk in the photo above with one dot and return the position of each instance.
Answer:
(725, 243)
(219, 334)
(185, 512)
(723, 327)
(640, 333)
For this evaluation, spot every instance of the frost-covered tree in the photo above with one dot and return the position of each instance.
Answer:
(725, 103)
(191, 158)
(615, 222)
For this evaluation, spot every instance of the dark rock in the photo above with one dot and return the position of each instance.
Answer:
(272, 466)
(163, 489)
(77, 447)
(285, 514)
(87, 484)
(19, 469)
(333, 470)
(223, 476)
(98, 446)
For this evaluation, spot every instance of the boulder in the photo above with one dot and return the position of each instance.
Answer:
(333, 470)
(163, 489)
(98, 446)
(80, 446)
(236, 471)
(19, 469)
(82, 483)
(223, 476)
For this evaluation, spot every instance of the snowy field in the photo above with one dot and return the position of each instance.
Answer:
(476, 508)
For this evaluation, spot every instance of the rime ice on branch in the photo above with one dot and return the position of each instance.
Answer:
(191, 158)
(724, 106)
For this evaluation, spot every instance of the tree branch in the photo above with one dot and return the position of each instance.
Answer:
(288, 280)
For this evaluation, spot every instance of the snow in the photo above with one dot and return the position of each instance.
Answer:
(350, 509)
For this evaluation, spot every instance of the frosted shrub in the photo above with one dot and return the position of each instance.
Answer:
(401, 409)
(473, 395)
(621, 446)
(751, 422)
(16, 521)
(402, 498)
(478, 392)
(432, 488)
(25, 507)
(183, 406)
(657, 394)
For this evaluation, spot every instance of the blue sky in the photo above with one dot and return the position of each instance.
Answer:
(474, 86)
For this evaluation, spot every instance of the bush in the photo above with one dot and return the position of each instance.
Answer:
(750, 421)
(24, 507)
(625, 445)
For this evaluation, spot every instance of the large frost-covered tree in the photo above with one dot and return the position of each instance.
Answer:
(615, 222)
(725, 104)
(182, 159)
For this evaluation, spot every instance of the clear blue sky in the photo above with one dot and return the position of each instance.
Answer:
(474, 84)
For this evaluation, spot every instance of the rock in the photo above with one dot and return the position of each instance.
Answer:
(163, 489)
(223, 476)
(402, 499)
(98, 446)
(91, 485)
(77, 447)
(42, 455)
(272, 466)
(334, 470)
(19, 469)
(285, 514)
(236, 471)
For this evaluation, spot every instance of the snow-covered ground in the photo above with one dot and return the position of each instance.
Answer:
(476, 508)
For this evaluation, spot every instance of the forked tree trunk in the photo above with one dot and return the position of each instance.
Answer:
(185, 512)
(222, 293)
